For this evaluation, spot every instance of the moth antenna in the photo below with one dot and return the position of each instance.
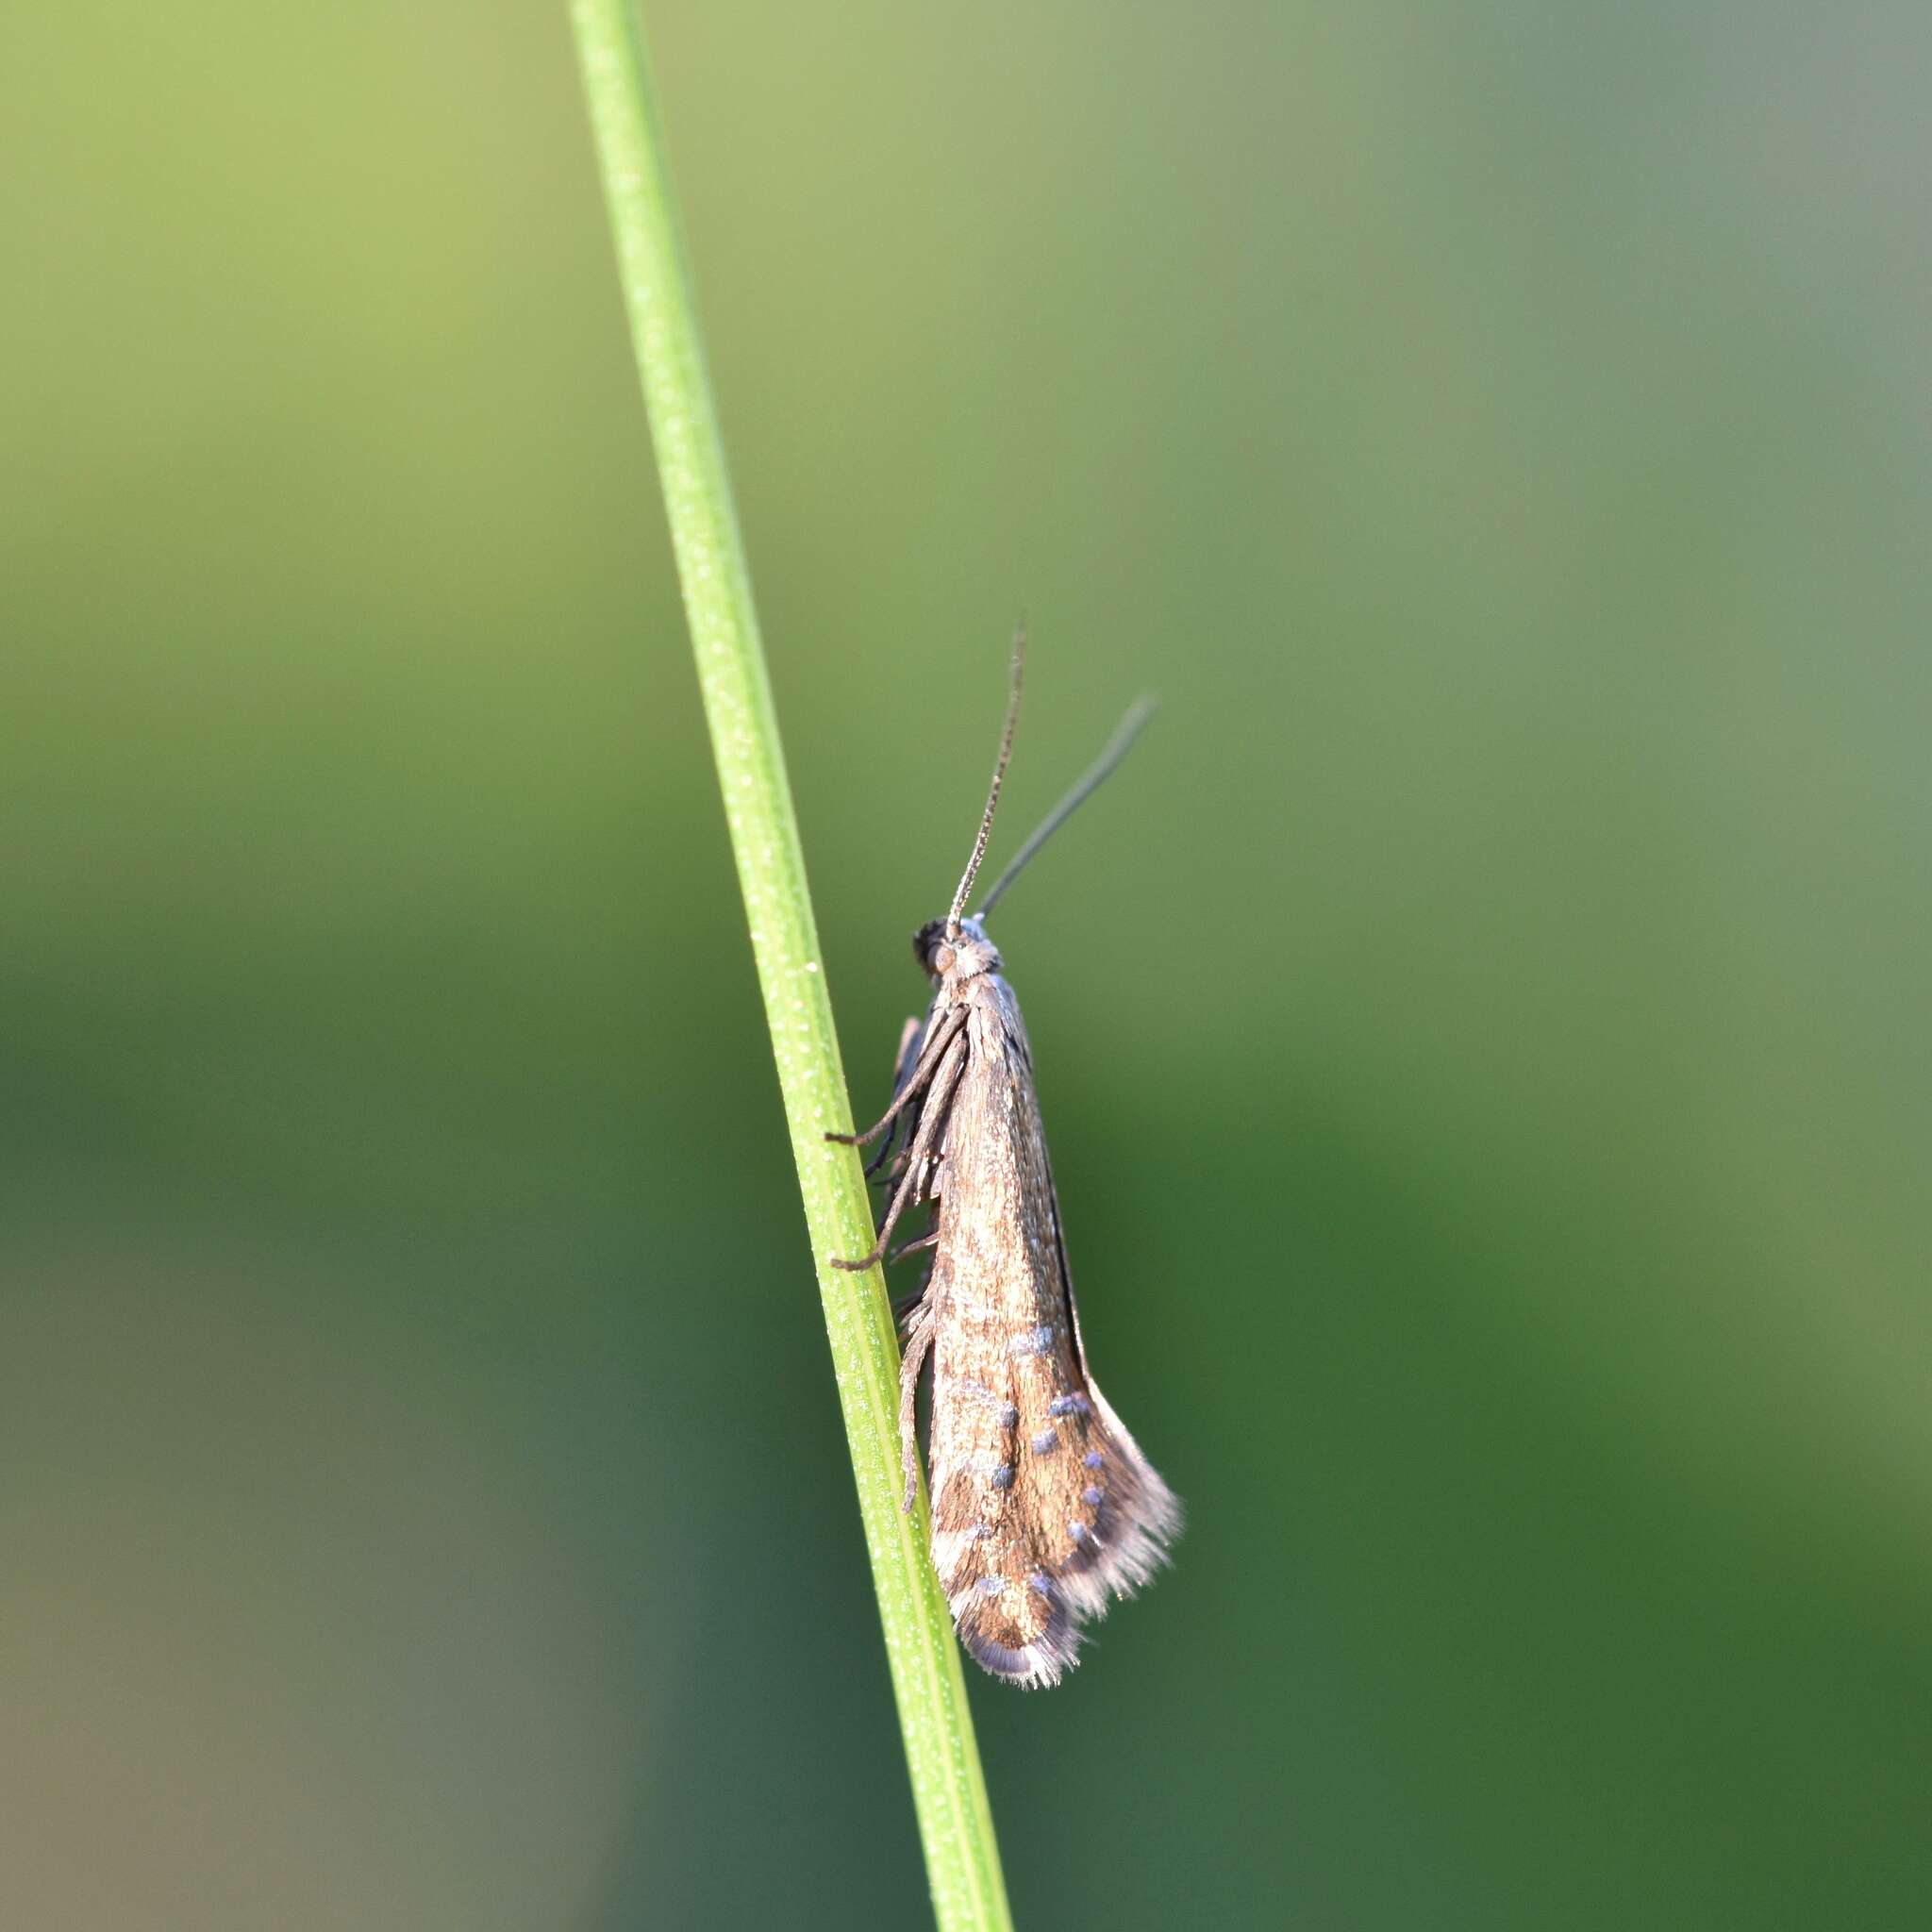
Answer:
(1102, 769)
(992, 797)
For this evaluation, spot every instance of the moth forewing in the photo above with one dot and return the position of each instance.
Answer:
(1043, 1507)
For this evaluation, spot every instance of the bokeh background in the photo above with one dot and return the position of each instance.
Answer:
(1484, 1030)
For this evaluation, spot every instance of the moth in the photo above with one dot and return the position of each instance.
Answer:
(1043, 1507)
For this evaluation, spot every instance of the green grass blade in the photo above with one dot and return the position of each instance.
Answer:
(943, 1759)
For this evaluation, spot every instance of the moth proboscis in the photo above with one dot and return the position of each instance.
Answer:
(1043, 1507)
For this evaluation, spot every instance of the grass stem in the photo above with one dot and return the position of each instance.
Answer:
(942, 1760)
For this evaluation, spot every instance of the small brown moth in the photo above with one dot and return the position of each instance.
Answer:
(1044, 1506)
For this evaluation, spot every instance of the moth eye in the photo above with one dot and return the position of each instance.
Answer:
(942, 958)
(926, 945)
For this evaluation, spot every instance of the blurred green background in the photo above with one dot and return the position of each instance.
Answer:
(1483, 1031)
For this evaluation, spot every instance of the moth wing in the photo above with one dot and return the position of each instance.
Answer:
(1045, 1507)
(1143, 1515)
(1139, 1516)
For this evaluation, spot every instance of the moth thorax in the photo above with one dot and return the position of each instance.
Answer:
(959, 956)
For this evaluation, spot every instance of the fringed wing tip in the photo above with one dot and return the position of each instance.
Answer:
(1029, 1635)
(1145, 1518)
(996, 1641)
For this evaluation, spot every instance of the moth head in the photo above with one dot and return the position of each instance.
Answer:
(946, 951)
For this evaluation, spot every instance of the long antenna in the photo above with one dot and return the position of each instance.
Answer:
(992, 797)
(1117, 748)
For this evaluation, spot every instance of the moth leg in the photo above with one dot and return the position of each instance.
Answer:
(920, 1077)
(902, 1063)
(908, 1056)
(931, 1117)
(887, 1148)
(919, 1332)
(926, 1241)
(918, 1157)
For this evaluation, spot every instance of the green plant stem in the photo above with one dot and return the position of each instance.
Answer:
(948, 1790)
